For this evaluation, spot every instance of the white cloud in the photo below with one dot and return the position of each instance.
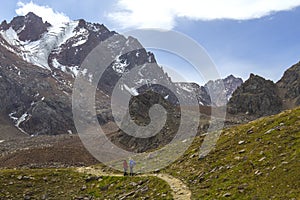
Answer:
(48, 14)
(163, 13)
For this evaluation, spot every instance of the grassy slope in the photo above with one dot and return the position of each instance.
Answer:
(265, 166)
(67, 184)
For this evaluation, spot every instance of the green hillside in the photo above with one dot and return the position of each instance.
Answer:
(258, 160)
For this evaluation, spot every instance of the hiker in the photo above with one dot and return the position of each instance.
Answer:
(125, 167)
(131, 165)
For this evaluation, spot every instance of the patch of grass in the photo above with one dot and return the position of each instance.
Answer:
(68, 184)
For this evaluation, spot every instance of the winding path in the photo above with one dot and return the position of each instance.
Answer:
(179, 190)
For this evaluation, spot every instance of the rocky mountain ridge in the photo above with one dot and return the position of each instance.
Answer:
(214, 88)
(259, 97)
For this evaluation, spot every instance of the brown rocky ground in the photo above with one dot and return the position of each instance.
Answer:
(44, 151)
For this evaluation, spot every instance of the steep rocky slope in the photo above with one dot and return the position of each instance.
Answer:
(256, 96)
(289, 87)
(202, 94)
(139, 111)
(32, 98)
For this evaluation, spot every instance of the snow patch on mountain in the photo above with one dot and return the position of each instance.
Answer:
(75, 70)
(186, 87)
(57, 65)
(11, 37)
(81, 37)
(119, 65)
(37, 52)
(132, 91)
(19, 121)
(11, 115)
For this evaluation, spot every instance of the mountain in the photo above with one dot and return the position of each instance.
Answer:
(256, 96)
(222, 88)
(31, 98)
(213, 89)
(259, 97)
(39, 63)
(28, 28)
(200, 91)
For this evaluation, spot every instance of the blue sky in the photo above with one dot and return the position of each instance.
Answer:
(241, 38)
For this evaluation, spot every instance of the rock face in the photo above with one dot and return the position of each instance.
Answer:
(259, 97)
(85, 36)
(34, 101)
(28, 28)
(139, 111)
(256, 96)
(200, 91)
(221, 88)
(36, 83)
(289, 87)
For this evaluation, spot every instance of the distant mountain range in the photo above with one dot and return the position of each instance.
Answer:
(39, 62)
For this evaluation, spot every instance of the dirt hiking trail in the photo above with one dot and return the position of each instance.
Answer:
(179, 190)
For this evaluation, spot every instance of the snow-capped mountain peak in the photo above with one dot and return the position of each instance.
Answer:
(36, 39)
(52, 47)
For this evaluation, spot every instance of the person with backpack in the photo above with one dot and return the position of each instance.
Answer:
(125, 167)
(131, 165)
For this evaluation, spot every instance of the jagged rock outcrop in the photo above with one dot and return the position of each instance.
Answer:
(257, 96)
(289, 87)
(28, 28)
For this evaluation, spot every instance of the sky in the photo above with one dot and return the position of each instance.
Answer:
(240, 36)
